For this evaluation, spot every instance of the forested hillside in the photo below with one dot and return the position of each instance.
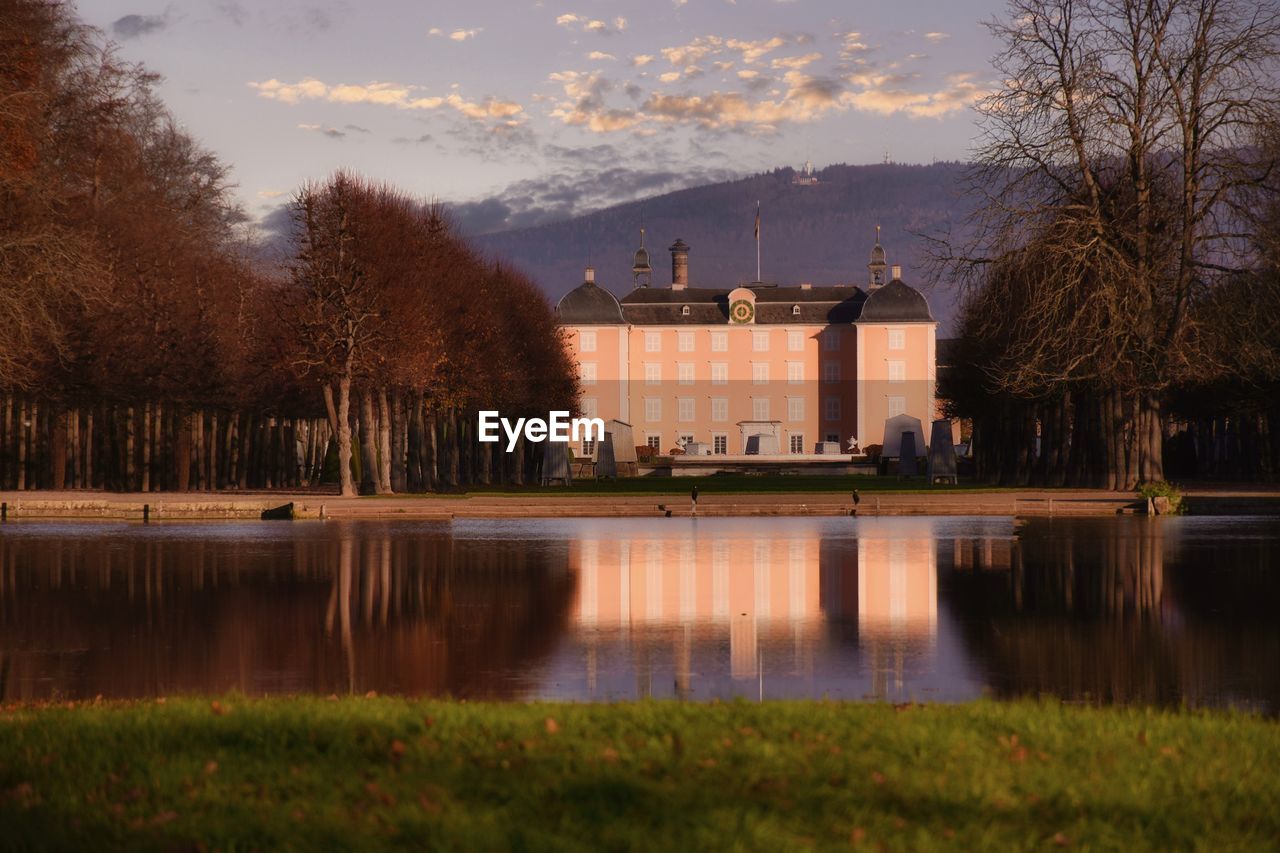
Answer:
(820, 234)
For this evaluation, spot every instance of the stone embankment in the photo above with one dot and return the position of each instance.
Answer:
(175, 506)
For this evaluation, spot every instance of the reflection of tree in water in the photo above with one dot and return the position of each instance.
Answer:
(1126, 611)
(328, 608)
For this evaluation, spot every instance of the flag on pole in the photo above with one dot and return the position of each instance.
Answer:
(757, 220)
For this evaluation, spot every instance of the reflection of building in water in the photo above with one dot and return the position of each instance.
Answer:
(766, 596)
(897, 598)
(761, 588)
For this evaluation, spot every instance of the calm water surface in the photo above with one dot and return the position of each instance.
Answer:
(1164, 611)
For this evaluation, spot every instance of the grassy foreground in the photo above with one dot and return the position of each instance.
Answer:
(378, 773)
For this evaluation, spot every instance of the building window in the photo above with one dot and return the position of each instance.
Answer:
(719, 443)
(652, 409)
(719, 373)
(797, 442)
(588, 341)
(833, 437)
(795, 341)
(719, 341)
(830, 371)
(760, 372)
(652, 373)
(897, 371)
(897, 339)
(795, 372)
(588, 372)
(897, 406)
(684, 439)
(831, 340)
(759, 341)
(588, 448)
(653, 341)
(686, 409)
(719, 409)
(684, 341)
(654, 440)
(684, 311)
(684, 373)
(795, 408)
(795, 310)
(831, 408)
(759, 408)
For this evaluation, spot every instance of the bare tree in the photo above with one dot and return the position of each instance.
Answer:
(1114, 153)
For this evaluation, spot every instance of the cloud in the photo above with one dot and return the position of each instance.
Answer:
(463, 35)
(270, 194)
(420, 140)
(598, 56)
(357, 128)
(761, 85)
(572, 20)
(585, 105)
(884, 95)
(795, 62)
(936, 37)
(331, 132)
(399, 96)
(233, 11)
(805, 99)
(135, 26)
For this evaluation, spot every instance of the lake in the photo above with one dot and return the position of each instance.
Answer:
(1172, 612)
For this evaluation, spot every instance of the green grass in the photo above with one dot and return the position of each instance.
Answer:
(728, 484)
(361, 774)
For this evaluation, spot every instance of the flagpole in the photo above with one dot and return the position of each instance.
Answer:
(757, 241)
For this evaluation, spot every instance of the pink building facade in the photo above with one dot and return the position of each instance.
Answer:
(756, 369)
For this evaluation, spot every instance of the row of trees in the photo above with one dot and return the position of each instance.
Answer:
(1123, 284)
(148, 341)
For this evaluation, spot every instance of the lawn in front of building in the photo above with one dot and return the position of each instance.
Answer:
(376, 773)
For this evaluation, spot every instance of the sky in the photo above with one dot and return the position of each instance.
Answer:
(519, 112)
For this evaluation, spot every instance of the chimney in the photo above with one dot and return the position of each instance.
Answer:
(895, 273)
(806, 285)
(590, 275)
(679, 265)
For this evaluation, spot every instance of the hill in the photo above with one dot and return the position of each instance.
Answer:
(821, 233)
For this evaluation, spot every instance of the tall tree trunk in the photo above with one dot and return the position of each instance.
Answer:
(368, 445)
(340, 422)
(384, 443)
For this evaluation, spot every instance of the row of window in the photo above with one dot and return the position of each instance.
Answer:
(720, 372)
(719, 442)
(685, 340)
(687, 408)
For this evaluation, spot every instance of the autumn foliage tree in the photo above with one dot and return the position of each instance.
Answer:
(145, 344)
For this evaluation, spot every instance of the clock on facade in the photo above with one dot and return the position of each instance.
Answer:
(741, 311)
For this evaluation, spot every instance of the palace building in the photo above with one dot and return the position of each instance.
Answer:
(758, 369)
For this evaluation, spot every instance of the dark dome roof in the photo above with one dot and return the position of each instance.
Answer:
(896, 302)
(642, 259)
(588, 304)
(877, 254)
